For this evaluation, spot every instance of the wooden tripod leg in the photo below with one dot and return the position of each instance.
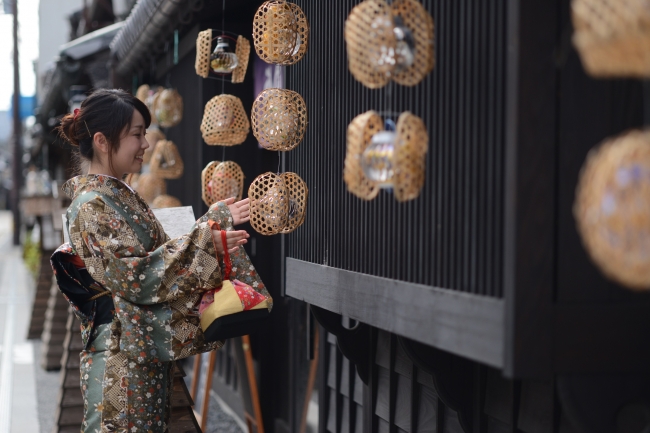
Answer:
(252, 381)
(313, 369)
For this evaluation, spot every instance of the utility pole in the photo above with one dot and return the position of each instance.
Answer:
(16, 164)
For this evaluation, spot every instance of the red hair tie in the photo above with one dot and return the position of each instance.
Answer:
(76, 112)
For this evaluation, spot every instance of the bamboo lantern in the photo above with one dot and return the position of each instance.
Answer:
(243, 52)
(360, 132)
(221, 180)
(224, 121)
(148, 95)
(269, 204)
(153, 136)
(280, 32)
(612, 37)
(143, 93)
(612, 208)
(150, 186)
(385, 159)
(279, 119)
(390, 42)
(297, 191)
(168, 108)
(166, 161)
(164, 201)
(203, 50)
(202, 64)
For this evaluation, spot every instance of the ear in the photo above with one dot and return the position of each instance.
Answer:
(101, 143)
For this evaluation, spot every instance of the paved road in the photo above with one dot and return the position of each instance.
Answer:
(18, 401)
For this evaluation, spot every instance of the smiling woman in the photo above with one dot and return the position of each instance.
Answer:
(137, 292)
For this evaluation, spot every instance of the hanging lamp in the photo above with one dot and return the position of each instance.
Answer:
(280, 32)
(225, 122)
(387, 42)
(221, 180)
(222, 59)
(612, 208)
(166, 161)
(378, 158)
(279, 119)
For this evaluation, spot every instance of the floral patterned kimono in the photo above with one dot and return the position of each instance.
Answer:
(136, 293)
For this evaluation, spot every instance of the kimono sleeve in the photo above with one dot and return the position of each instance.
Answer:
(114, 255)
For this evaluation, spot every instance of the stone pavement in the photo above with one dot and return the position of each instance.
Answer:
(18, 400)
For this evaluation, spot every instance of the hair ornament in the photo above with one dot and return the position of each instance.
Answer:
(76, 113)
(88, 129)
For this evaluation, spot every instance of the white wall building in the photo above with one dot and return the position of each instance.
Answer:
(54, 31)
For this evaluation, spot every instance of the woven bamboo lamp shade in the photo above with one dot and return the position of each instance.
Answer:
(409, 163)
(163, 201)
(297, 191)
(148, 95)
(378, 159)
(221, 180)
(612, 208)
(279, 119)
(204, 51)
(153, 136)
(168, 108)
(269, 204)
(166, 161)
(150, 186)
(612, 37)
(143, 93)
(360, 132)
(243, 52)
(390, 42)
(225, 122)
(280, 32)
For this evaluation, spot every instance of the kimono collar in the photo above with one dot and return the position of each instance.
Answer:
(95, 182)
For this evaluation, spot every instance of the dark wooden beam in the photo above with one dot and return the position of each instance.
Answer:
(530, 184)
(467, 325)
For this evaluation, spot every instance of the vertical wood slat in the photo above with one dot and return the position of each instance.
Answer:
(451, 236)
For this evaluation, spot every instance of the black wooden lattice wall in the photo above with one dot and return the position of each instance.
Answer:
(451, 236)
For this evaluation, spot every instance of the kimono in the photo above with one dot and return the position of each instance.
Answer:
(136, 294)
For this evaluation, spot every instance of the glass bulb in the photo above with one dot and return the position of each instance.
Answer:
(387, 59)
(377, 159)
(223, 60)
(405, 47)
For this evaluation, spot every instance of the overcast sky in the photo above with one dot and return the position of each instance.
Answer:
(28, 39)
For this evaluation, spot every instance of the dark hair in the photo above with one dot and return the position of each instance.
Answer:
(108, 111)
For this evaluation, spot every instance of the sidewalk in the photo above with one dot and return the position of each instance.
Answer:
(18, 399)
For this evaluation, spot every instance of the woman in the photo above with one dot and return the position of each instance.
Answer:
(135, 291)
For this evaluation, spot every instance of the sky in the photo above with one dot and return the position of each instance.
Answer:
(28, 49)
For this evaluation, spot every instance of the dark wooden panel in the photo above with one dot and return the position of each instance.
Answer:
(451, 236)
(602, 338)
(467, 325)
(530, 186)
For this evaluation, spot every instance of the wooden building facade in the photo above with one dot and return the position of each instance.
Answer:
(473, 308)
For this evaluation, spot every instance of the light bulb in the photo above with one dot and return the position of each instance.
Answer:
(377, 159)
(223, 60)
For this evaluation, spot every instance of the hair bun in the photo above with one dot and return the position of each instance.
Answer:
(68, 129)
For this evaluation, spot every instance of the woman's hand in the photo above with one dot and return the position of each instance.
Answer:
(234, 239)
(240, 210)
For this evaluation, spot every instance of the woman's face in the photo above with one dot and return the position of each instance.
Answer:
(128, 158)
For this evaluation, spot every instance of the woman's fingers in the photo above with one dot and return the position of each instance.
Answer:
(228, 201)
(236, 238)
